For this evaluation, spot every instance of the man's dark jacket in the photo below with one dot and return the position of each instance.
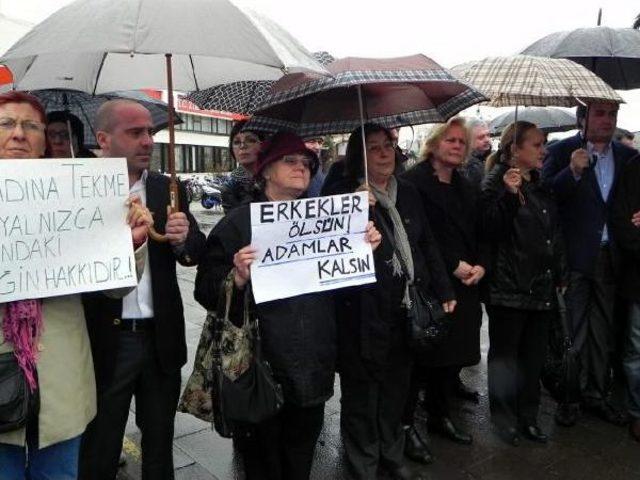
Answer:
(627, 235)
(583, 212)
(103, 314)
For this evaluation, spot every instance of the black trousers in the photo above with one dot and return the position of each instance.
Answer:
(590, 307)
(518, 345)
(136, 373)
(282, 447)
(372, 404)
(438, 384)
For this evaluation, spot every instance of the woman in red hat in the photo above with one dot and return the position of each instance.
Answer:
(298, 335)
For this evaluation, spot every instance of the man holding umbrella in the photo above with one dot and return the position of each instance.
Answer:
(138, 343)
(583, 171)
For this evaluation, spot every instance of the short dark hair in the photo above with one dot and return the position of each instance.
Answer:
(238, 127)
(77, 128)
(23, 97)
(353, 158)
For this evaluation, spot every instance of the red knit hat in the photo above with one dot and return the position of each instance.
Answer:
(281, 144)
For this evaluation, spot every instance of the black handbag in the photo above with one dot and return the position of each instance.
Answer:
(427, 322)
(254, 396)
(14, 394)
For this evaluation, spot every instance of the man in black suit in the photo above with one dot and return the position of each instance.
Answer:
(585, 177)
(138, 343)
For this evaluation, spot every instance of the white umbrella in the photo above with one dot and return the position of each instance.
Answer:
(100, 46)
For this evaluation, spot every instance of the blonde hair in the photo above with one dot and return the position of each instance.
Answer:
(515, 132)
(438, 134)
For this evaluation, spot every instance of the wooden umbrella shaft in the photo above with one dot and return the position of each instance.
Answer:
(173, 191)
(174, 202)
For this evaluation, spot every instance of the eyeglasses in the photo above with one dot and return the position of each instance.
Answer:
(28, 126)
(247, 142)
(60, 136)
(379, 148)
(292, 161)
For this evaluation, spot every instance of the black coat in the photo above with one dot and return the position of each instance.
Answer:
(371, 319)
(528, 260)
(625, 205)
(454, 216)
(583, 212)
(103, 313)
(298, 333)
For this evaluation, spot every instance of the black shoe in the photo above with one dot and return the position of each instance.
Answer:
(508, 435)
(403, 472)
(415, 448)
(445, 427)
(567, 414)
(533, 433)
(609, 414)
(465, 393)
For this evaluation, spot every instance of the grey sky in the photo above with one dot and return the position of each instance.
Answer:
(450, 32)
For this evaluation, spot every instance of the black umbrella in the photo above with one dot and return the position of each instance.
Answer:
(85, 106)
(547, 119)
(611, 53)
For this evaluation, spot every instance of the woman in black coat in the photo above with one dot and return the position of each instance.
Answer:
(451, 205)
(527, 267)
(297, 334)
(373, 353)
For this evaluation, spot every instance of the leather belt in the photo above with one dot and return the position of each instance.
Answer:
(136, 324)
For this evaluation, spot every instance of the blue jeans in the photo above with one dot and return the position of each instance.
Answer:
(632, 360)
(55, 462)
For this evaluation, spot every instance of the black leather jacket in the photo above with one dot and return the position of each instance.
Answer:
(528, 260)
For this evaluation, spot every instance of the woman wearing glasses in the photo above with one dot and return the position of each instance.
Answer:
(48, 337)
(298, 334)
(244, 146)
(374, 360)
(65, 136)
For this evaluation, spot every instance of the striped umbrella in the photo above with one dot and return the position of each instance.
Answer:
(535, 81)
(392, 92)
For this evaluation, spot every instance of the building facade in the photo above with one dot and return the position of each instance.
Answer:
(201, 140)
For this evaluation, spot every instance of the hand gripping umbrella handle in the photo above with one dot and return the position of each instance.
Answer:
(175, 206)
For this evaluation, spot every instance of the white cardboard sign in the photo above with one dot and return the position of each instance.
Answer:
(310, 245)
(63, 227)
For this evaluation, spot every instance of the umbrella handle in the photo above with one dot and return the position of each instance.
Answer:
(175, 207)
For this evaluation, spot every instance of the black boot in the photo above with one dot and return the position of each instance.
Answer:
(445, 427)
(508, 435)
(404, 472)
(567, 414)
(533, 433)
(415, 448)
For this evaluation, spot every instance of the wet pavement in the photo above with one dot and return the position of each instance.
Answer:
(590, 450)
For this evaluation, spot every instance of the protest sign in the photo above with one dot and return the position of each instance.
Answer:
(63, 227)
(310, 245)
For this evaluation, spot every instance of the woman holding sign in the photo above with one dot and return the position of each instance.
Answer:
(374, 355)
(297, 334)
(45, 341)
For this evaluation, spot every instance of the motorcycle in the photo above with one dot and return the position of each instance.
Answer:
(211, 197)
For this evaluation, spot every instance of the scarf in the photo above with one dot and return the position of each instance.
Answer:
(22, 327)
(387, 200)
